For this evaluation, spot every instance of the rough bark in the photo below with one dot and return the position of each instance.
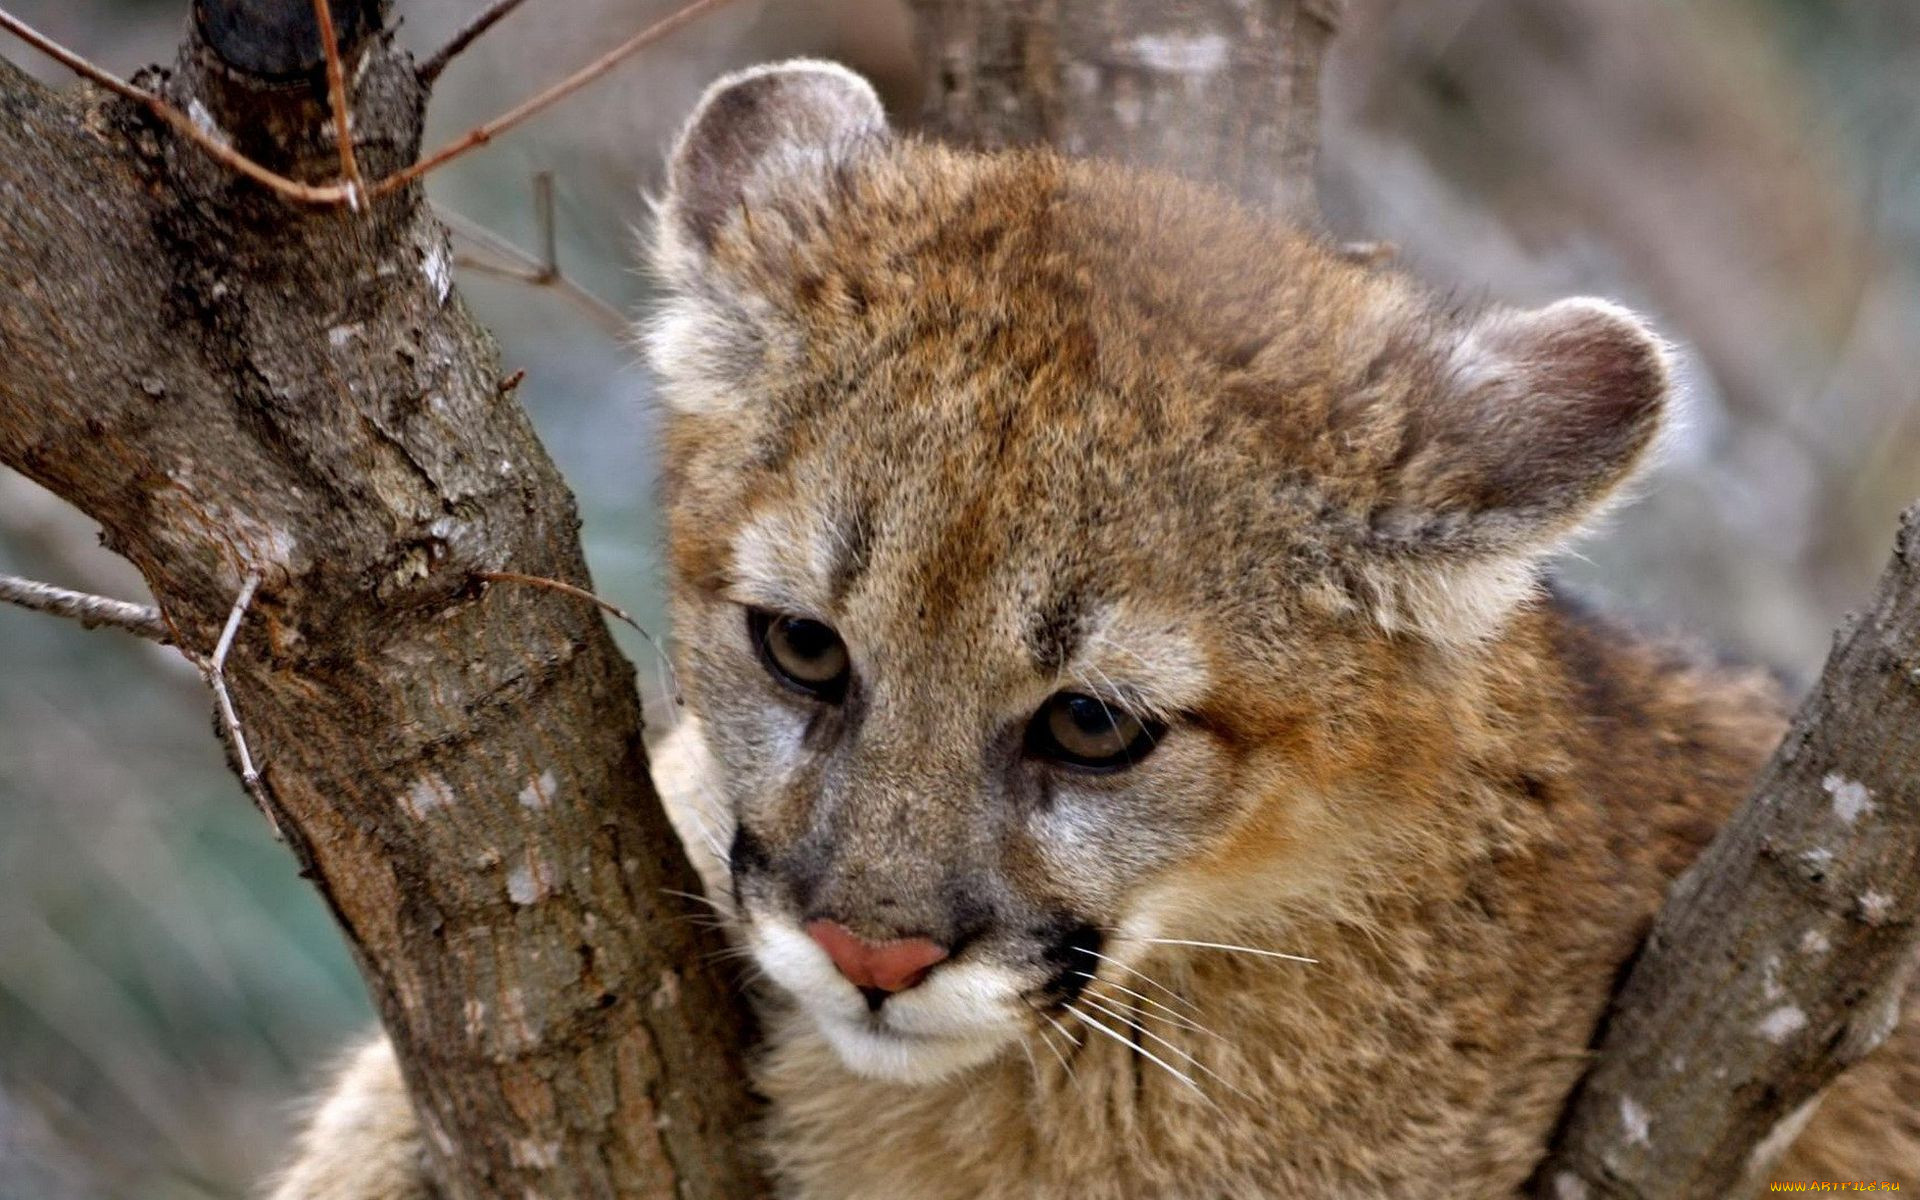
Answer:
(1226, 91)
(1781, 957)
(233, 386)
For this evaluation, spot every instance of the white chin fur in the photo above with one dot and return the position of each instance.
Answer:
(901, 1058)
(963, 1015)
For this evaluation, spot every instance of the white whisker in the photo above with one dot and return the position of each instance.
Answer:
(1150, 980)
(1136, 1047)
(1048, 1043)
(1033, 1064)
(1145, 1032)
(1224, 946)
(1174, 1016)
(711, 903)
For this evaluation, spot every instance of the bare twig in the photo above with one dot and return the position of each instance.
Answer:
(480, 135)
(580, 593)
(430, 70)
(544, 219)
(305, 193)
(214, 668)
(350, 188)
(522, 267)
(337, 100)
(90, 610)
(603, 314)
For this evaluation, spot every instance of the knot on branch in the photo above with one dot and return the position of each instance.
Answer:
(278, 41)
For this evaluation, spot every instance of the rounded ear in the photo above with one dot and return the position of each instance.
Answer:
(754, 127)
(1522, 428)
(1533, 421)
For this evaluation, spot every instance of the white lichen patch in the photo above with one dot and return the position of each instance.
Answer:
(1814, 942)
(1782, 1023)
(1635, 1123)
(1568, 1186)
(340, 335)
(1875, 906)
(438, 268)
(667, 995)
(204, 122)
(425, 794)
(1180, 54)
(526, 1152)
(539, 792)
(1851, 799)
(529, 882)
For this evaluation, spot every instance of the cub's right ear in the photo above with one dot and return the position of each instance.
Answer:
(752, 132)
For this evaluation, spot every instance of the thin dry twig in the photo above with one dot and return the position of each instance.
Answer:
(351, 188)
(430, 70)
(580, 593)
(522, 267)
(91, 611)
(337, 100)
(214, 668)
(305, 193)
(481, 134)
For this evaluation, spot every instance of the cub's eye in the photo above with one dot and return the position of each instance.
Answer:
(803, 654)
(1089, 733)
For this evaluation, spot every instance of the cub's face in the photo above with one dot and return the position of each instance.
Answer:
(1065, 559)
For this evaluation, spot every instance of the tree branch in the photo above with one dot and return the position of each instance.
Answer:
(241, 390)
(91, 611)
(1782, 955)
(1224, 91)
(480, 135)
(337, 101)
(182, 124)
(430, 70)
(522, 267)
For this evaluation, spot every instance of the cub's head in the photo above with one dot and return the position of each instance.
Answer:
(1065, 557)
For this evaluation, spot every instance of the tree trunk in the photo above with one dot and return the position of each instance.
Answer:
(1783, 955)
(237, 387)
(1223, 91)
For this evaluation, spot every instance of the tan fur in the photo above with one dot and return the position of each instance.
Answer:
(362, 1141)
(1014, 424)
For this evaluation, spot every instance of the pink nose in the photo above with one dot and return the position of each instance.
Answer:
(891, 966)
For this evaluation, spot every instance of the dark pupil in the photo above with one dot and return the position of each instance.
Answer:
(1090, 716)
(807, 640)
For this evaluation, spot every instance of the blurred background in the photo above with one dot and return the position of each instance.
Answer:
(1745, 171)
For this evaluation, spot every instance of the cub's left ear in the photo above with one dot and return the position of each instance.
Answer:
(1530, 422)
(762, 131)
(1515, 430)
